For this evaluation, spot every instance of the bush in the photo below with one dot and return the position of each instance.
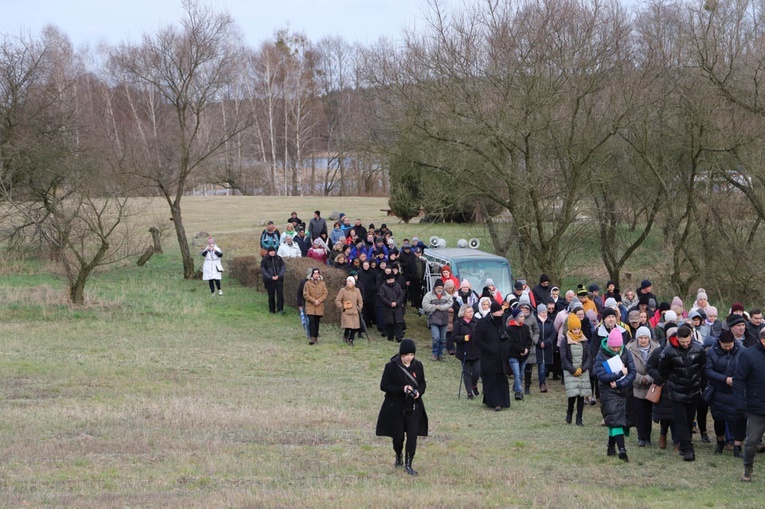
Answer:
(246, 270)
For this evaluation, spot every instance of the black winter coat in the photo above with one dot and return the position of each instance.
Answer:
(493, 345)
(547, 336)
(720, 365)
(386, 295)
(466, 350)
(390, 421)
(613, 401)
(683, 370)
(368, 285)
(519, 340)
(663, 409)
(271, 266)
(749, 381)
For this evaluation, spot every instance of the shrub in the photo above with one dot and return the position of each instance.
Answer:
(246, 270)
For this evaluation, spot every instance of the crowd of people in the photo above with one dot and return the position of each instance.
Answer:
(643, 360)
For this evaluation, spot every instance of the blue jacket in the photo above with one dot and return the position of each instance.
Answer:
(720, 365)
(749, 380)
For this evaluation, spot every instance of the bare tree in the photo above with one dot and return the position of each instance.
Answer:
(173, 83)
(57, 189)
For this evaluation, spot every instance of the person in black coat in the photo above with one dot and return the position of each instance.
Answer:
(467, 351)
(722, 359)
(367, 283)
(391, 298)
(545, 345)
(402, 411)
(615, 390)
(749, 399)
(662, 411)
(272, 269)
(520, 345)
(493, 344)
(682, 364)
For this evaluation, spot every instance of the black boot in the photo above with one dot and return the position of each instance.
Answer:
(570, 410)
(623, 455)
(408, 464)
(399, 459)
(527, 381)
(579, 410)
(611, 448)
(720, 447)
(737, 451)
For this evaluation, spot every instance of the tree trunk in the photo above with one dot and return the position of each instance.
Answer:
(183, 242)
(156, 239)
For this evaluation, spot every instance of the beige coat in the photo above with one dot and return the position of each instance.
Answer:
(349, 302)
(313, 291)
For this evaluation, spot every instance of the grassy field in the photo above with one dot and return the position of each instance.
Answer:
(158, 395)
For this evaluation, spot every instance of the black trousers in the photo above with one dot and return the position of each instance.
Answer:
(213, 284)
(313, 325)
(682, 420)
(643, 422)
(411, 426)
(702, 410)
(275, 295)
(471, 373)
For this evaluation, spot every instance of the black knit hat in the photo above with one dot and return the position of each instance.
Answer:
(407, 346)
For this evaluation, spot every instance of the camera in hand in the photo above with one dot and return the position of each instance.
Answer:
(412, 393)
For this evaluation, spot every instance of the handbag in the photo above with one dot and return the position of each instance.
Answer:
(709, 392)
(654, 393)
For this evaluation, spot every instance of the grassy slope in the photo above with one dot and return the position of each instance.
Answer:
(159, 395)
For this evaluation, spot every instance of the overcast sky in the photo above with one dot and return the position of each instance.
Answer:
(112, 21)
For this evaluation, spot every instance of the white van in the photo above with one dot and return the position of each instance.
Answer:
(471, 264)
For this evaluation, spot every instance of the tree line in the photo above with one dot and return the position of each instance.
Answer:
(562, 125)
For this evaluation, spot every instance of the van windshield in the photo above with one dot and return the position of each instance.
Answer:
(478, 271)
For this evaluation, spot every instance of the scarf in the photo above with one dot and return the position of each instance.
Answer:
(574, 338)
(644, 352)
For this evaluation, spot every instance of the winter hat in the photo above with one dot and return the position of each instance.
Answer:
(591, 315)
(608, 312)
(489, 282)
(544, 278)
(664, 306)
(615, 338)
(465, 284)
(696, 313)
(702, 295)
(518, 285)
(643, 331)
(542, 308)
(672, 331)
(611, 302)
(710, 310)
(446, 268)
(210, 240)
(593, 288)
(645, 284)
(734, 320)
(407, 346)
(634, 316)
(271, 248)
(581, 291)
(495, 307)
(670, 316)
(736, 306)
(575, 304)
(651, 303)
(668, 326)
(573, 322)
(515, 312)
(554, 288)
(350, 279)
(677, 301)
(726, 336)
(438, 283)
(524, 301)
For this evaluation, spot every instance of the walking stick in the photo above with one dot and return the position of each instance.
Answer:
(462, 375)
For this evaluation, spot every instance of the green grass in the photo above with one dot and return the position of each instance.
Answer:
(156, 394)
